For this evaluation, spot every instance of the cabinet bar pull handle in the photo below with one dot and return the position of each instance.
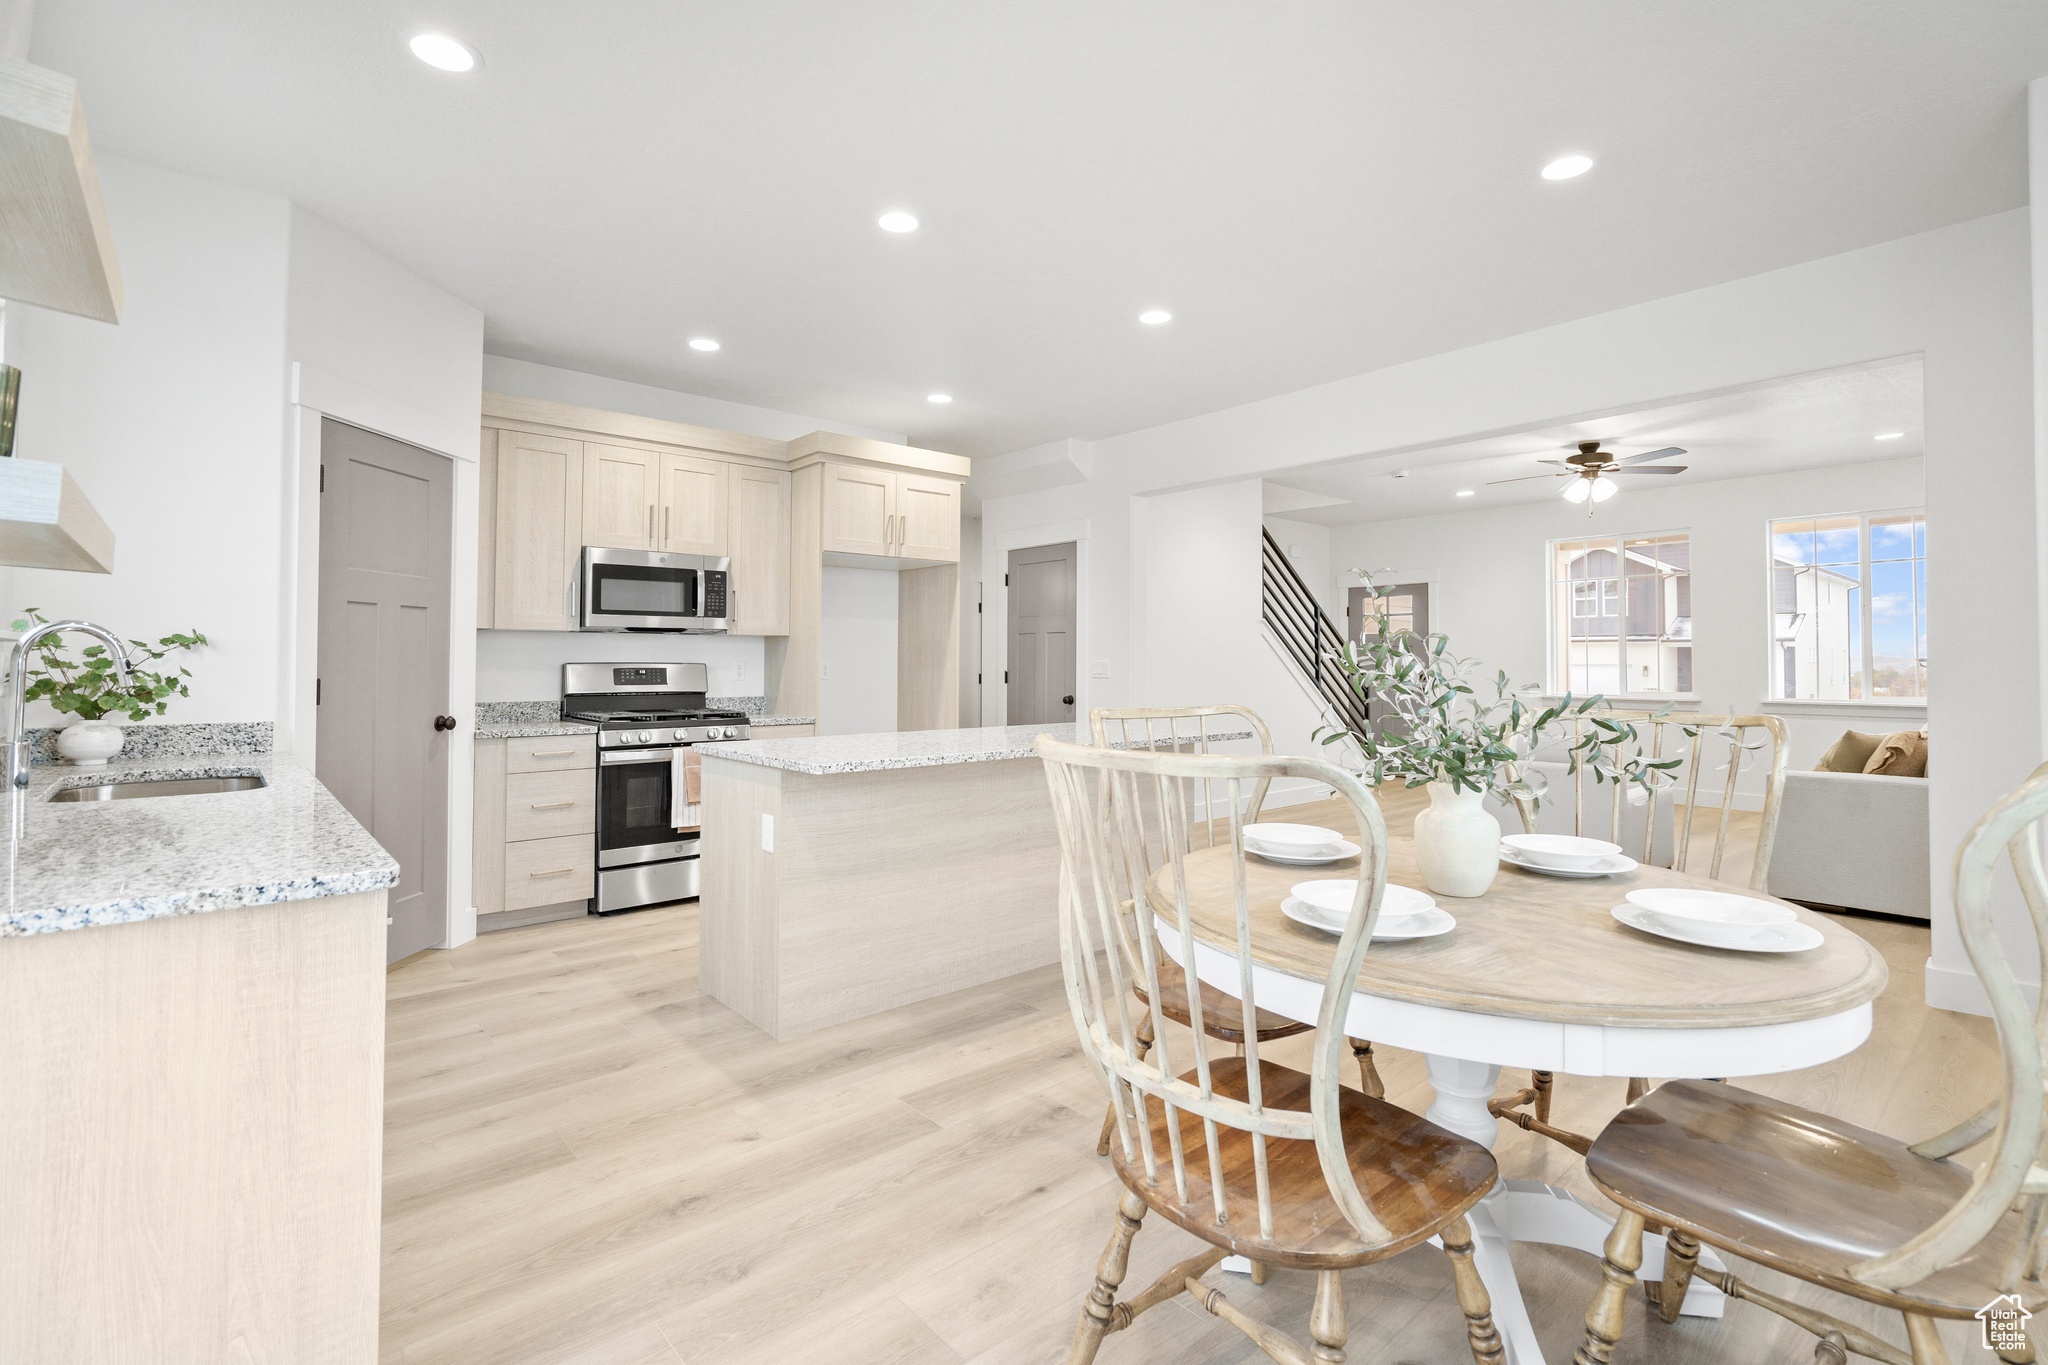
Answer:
(650, 521)
(552, 805)
(554, 753)
(555, 872)
(664, 528)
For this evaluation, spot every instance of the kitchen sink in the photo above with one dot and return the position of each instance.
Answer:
(165, 786)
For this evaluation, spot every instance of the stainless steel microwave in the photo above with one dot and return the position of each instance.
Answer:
(646, 590)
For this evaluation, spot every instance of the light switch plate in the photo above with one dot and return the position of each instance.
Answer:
(767, 834)
(1099, 670)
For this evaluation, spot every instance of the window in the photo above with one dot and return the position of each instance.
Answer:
(1849, 607)
(1621, 614)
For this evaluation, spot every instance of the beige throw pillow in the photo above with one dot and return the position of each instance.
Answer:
(1901, 755)
(1849, 753)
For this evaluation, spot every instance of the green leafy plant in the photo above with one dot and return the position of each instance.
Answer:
(90, 687)
(1431, 725)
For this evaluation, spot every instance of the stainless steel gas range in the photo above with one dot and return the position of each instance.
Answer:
(645, 714)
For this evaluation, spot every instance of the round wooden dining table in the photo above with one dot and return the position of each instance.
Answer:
(1537, 974)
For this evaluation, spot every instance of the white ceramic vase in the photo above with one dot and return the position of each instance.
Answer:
(90, 743)
(1457, 842)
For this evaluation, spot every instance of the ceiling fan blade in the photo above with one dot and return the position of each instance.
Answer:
(1654, 469)
(1652, 455)
(1559, 463)
(1526, 477)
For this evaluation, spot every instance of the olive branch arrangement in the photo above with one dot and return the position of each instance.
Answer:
(1433, 726)
(89, 687)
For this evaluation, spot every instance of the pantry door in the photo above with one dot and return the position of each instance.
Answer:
(383, 739)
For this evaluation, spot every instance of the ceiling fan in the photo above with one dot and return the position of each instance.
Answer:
(1591, 471)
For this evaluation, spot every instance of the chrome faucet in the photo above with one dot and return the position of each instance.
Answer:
(17, 671)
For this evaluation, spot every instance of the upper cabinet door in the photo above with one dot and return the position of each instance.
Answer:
(538, 530)
(860, 510)
(621, 492)
(759, 524)
(693, 510)
(927, 518)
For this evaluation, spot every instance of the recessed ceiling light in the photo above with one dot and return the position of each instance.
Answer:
(897, 222)
(444, 53)
(1466, 492)
(938, 398)
(703, 344)
(1888, 436)
(1565, 167)
(1154, 316)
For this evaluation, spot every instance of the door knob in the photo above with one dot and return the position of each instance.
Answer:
(444, 722)
(1066, 701)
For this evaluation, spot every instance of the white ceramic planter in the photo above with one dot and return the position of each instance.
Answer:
(1457, 842)
(90, 743)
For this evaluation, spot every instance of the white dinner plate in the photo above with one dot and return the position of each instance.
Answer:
(1771, 938)
(1606, 867)
(1711, 916)
(1344, 849)
(1436, 920)
(1566, 851)
(1293, 841)
(1334, 896)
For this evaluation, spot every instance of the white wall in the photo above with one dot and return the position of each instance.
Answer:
(1958, 297)
(526, 665)
(524, 379)
(1488, 573)
(170, 422)
(1308, 547)
(858, 650)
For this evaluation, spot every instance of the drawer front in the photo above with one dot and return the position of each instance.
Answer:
(549, 871)
(548, 805)
(784, 731)
(550, 753)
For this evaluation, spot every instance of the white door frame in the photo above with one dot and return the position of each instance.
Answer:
(995, 634)
(316, 394)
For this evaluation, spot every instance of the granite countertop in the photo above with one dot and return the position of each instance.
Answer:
(114, 862)
(535, 729)
(912, 749)
(763, 722)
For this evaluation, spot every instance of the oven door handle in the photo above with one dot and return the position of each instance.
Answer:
(641, 755)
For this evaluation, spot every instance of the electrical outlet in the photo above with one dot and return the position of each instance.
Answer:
(767, 834)
(739, 672)
(1100, 670)
(824, 670)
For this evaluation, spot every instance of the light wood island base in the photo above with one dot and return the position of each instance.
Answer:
(193, 1123)
(884, 887)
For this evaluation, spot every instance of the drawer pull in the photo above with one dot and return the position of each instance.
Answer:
(552, 805)
(554, 753)
(556, 872)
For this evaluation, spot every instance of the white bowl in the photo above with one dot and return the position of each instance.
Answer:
(1716, 915)
(1293, 841)
(1560, 850)
(1332, 897)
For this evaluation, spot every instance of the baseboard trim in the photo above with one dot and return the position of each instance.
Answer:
(1949, 988)
(539, 914)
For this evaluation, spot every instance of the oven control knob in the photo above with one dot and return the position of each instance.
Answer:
(647, 736)
(682, 734)
(731, 733)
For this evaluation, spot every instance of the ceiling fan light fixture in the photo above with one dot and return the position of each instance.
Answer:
(1603, 489)
(1575, 491)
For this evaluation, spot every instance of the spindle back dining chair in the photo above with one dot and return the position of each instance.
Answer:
(1903, 1227)
(1193, 729)
(1255, 1158)
(1712, 752)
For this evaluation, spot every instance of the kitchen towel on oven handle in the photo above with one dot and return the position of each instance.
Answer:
(686, 790)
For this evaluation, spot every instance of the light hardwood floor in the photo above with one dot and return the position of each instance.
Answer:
(587, 1163)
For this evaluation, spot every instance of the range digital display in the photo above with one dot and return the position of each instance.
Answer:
(639, 677)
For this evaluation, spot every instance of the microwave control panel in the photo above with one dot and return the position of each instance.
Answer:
(714, 594)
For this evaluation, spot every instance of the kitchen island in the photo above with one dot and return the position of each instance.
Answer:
(849, 874)
(192, 992)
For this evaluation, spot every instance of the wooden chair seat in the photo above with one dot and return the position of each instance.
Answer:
(1222, 1015)
(1416, 1176)
(1796, 1190)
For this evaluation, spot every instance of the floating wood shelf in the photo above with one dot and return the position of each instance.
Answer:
(55, 250)
(46, 522)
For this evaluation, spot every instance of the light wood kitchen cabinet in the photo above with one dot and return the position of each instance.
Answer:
(550, 871)
(860, 509)
(758, 522)
(693, 506)
(549, 805)
(550, 753)
(533, 844)
(927, 518)
(622, 487)
(537, 531)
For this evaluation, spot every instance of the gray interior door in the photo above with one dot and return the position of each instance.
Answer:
(386, 516)
(1041, 610)
(1407, 608)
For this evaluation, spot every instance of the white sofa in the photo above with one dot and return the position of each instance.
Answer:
(1853, 839)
